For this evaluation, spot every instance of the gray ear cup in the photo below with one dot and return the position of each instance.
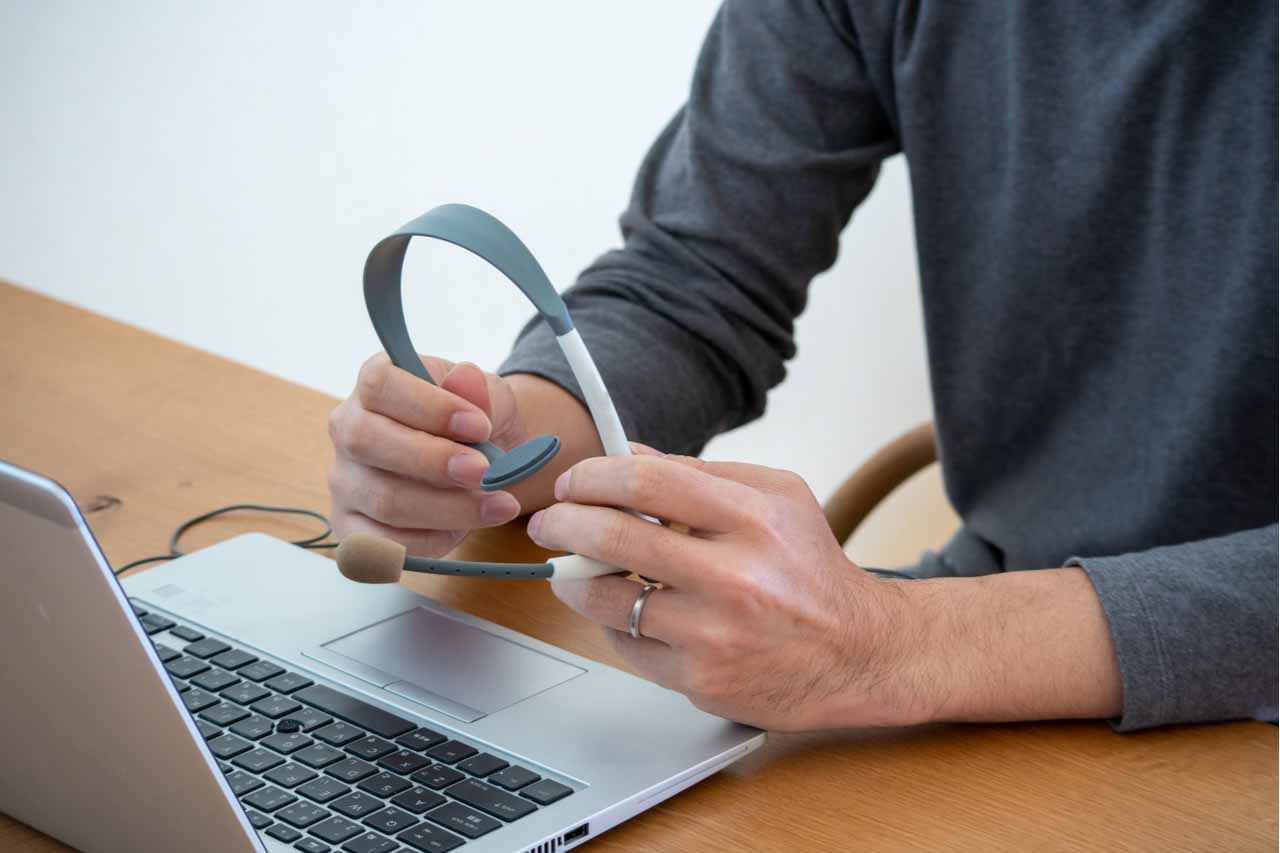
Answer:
(478, 232)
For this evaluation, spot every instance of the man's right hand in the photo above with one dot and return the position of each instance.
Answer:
(400, 470)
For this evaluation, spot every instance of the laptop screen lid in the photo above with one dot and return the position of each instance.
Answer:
(96, 749)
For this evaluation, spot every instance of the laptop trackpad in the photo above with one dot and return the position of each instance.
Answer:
(435, 660)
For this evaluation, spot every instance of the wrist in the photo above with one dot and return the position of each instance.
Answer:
(1028, 645)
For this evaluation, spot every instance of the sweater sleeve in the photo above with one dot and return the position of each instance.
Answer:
(737, 206)
(1194, 628)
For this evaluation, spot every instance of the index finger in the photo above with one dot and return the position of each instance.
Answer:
(662, 488)
(386, 389)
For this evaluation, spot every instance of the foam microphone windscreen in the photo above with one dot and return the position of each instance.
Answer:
(366, 558)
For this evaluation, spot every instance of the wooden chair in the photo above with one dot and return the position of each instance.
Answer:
(890, 467)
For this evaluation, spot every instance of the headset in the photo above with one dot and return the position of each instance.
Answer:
(373, 559)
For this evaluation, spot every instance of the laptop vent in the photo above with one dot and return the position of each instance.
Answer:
(548, 846)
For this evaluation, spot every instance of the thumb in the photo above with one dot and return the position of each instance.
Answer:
(490, 392)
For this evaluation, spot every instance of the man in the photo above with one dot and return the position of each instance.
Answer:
(1095, 197)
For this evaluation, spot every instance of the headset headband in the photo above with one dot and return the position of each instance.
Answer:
(478, 232)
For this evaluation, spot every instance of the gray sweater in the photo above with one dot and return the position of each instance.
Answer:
(1095, 200)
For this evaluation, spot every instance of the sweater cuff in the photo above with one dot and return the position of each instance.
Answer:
(1194, 628)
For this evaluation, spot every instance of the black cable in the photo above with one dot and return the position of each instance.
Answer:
(309, 542)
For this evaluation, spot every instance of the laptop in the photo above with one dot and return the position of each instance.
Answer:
(248, 697)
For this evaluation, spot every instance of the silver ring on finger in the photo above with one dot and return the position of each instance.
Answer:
(637, 609)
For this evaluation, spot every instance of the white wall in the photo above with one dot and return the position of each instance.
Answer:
(216, 172)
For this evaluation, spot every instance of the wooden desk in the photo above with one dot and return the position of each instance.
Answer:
(146, 432)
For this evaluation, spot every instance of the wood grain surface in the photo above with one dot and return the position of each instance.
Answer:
(146, 432)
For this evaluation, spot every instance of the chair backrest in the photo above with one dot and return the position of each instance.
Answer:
(875, 479)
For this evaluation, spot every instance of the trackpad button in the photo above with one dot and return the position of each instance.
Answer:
(467, 671)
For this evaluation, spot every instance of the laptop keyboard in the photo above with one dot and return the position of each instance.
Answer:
(325, 771)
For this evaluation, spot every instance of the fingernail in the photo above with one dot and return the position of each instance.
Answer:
(467, 469)
(562, 486)
(534, 528)
(498, 508)
(469, 426)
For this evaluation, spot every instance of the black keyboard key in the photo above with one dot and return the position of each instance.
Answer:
(185, 667)
(257, 760)
(514, 777)
(225, 768)
(245, 693)
(207, 730)
(167, 654)
(318, 755)
(301, 815)
(390, 820)
(383, 785)
(138, 610)
(289, 775)
(370, 748)
(274, 707)
(404, 761)
(491, 800)
(482, 764)
(350, 770)
(154, 623)
(417, 799)
(257, 819)
(280, 832)
(229, 746)
(310, 845)
(308, 718)
(198, 700)
(268, 799)
(421, 740)
(335, 830)
(357, 804)
(323, 790)
(451, 752)
(339, 734)
(242, 783)
(370, 843)
(354, 710)
(224, 714)
(546, 792)
(233, 659)
(461, 819)
(206, 648)
(259, 670)
(286, 743)
(437, 776)
(215, 680)
(185, 633)
(288, 682)
(253, 728)
(430, 839)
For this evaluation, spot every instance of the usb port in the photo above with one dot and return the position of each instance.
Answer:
(575, 833)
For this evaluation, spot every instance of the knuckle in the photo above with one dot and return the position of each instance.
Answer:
(614, 537)
(372, 379)
(640, 478)
(355, 436)
(335, 481)
(336, 416)
(383, 504)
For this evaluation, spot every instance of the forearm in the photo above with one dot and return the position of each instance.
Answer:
(1027, 645)
(547, 409)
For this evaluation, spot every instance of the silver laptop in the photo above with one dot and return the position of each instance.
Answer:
(247, 697)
